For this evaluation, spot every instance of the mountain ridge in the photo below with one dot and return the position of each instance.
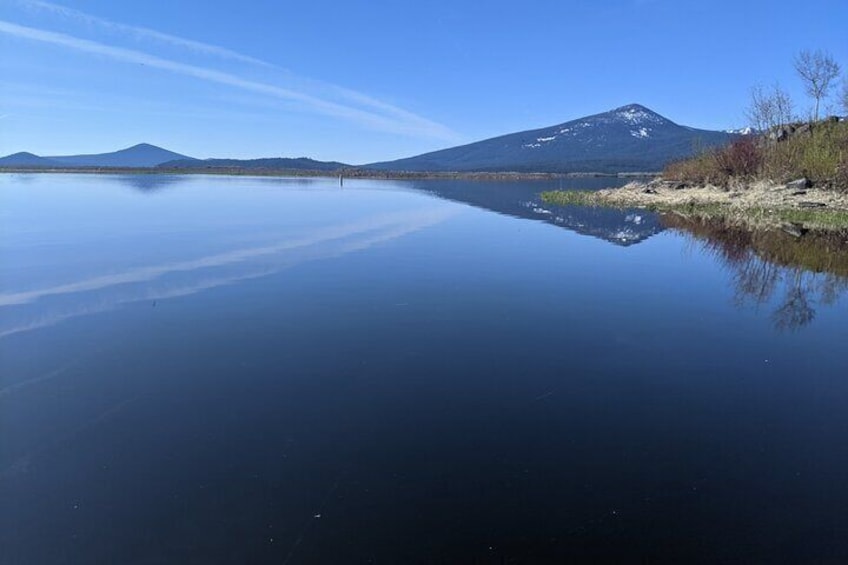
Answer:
(627, 139)
(630, 138)
(265, 163)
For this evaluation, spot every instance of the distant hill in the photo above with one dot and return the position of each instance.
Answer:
(141, 155)
(627, 139)
(271, 163)
(24, 159)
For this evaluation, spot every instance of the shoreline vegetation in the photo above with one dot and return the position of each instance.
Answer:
(794, 177)
(760, 205)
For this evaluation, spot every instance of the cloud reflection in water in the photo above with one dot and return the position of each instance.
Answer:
(103, 293)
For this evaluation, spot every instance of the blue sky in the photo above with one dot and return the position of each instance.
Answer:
(365, 81)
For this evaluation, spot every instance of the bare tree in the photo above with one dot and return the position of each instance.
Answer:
(817, 70)
(783, 105)
(797, 309)
(843, 96)
(769, 108)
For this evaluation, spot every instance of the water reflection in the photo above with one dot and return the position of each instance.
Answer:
(516, 199)
(150, 183)
(476, 391)
(155, 182)
(522, 200)
(774, 269)
(36, 308)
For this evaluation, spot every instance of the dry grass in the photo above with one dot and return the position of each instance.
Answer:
(816, 151)
(759, 204)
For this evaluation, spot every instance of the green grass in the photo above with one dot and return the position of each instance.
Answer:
(572, 198)
(828, 219)
(762, 217)
(752, 217)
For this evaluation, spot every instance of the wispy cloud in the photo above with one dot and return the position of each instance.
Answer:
(141, 33)
(361, 108)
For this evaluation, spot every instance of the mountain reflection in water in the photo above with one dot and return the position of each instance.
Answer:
(772, 268)
(622, 227)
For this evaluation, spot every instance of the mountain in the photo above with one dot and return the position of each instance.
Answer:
(141, 155)
(628, 139)
(24, 159)
(273, 163)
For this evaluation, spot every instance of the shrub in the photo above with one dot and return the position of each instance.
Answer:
(741, 159)
(819, 153)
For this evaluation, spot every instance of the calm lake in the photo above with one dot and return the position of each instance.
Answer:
(205, 370)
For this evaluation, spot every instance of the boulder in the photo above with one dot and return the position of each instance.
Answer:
(794, 229)
(778, 134)
(669, 184)
(799, 184)
(803, 128)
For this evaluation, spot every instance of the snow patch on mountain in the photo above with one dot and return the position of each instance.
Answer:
(636, 115)
(640, 133)
(742, 131)
(539, 141)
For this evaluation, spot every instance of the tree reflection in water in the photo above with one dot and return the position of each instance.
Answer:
(799, 273)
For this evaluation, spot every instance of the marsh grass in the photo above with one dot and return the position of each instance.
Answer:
(572, 198)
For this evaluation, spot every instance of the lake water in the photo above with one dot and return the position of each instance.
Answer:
(247, 370)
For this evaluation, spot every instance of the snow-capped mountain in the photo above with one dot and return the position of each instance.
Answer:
(742, 131)
(626, 139)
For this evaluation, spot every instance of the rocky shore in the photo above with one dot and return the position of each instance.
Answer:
(798, 194)
(796, 206)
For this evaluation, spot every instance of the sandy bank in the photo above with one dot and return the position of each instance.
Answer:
(756, 205)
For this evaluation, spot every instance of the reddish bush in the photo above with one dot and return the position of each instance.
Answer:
(741, 159)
